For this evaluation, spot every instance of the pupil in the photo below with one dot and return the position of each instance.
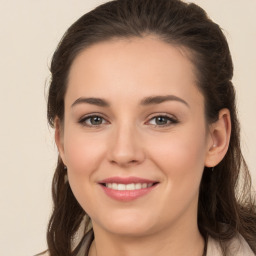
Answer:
(96, 120)
(161, 120)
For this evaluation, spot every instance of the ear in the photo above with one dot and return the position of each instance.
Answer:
(220, 132)
(59, 138)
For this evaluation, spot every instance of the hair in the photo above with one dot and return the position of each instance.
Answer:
(226, 206)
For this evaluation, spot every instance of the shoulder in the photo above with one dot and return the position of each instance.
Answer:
(237, 246)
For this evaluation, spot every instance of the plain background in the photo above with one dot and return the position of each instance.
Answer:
(29, 33)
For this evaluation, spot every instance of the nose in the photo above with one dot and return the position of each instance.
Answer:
(126, 147)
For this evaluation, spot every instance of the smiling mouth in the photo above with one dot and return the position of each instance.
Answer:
(127, 188)
(130, 186)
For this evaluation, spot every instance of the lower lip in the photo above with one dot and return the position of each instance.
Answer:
(127, 195)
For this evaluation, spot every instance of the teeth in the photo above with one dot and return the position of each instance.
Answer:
(131, 186)
(114, 186)
(144, 185)
(120, 187)
(138, 186)
(109, 185)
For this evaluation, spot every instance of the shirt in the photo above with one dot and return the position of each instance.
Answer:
(237, 246)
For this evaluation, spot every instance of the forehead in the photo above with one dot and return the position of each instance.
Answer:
(135, 67)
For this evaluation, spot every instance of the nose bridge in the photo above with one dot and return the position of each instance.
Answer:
(126, 144)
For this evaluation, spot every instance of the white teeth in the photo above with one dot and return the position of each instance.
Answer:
(131, 186)
(109, 185)
(144, 185)
(114, 186)
(121, 186)
(138, 186)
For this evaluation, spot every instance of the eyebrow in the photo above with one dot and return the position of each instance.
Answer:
(93, 101)
(151, 100)
(160, 99)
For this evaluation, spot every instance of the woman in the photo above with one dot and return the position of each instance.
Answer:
(145, 121)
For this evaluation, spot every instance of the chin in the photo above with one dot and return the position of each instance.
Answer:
(128, 225)
(128, 231)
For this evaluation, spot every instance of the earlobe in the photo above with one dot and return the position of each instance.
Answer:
(220, 132)
(59, 137)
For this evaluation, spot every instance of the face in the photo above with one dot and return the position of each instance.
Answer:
(134, 137)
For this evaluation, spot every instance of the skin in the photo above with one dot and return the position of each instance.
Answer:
(130, 142)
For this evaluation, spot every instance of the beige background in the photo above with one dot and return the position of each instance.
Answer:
(29, 32)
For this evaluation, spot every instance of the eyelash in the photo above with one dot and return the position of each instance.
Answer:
(170, 121)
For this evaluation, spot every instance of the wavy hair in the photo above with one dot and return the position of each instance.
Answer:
(225, 198)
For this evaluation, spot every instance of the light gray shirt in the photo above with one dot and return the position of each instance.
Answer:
(236, 247)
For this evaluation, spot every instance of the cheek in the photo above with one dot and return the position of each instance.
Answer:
(181, 156)
(83, 156)
(82, 153)
(181, 160)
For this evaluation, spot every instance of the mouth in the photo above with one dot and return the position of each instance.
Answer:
(130, 186)
(127, 189)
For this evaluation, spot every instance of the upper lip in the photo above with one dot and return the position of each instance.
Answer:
(127, 180)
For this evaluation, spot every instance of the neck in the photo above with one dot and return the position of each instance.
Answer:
(176, 241)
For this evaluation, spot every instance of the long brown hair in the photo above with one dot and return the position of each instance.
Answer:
(225, 204)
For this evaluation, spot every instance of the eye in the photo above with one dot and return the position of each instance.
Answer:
(162, 120)
(92, 120)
